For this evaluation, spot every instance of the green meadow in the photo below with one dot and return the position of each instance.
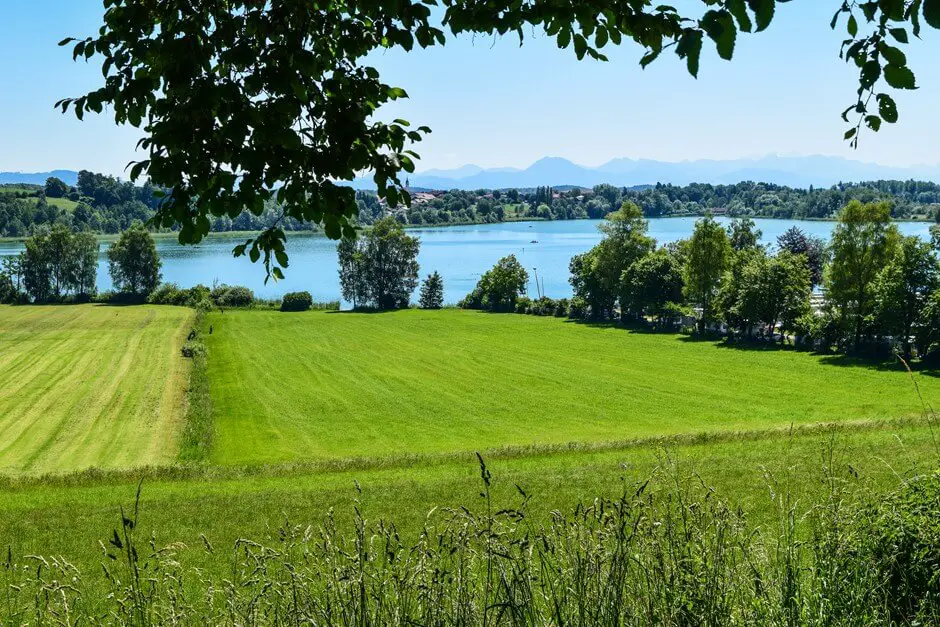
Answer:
(289, 387)
(307, 406)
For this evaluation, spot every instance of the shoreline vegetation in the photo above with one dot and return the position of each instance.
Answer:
(105, 205)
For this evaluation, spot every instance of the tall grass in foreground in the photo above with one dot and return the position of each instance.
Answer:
(668, 551)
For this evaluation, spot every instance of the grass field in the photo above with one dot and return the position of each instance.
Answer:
(328, 385)
(90, 385)
(306, 406)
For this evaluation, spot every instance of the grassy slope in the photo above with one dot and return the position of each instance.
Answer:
(90, 385)
(339, 385)
(70, 519)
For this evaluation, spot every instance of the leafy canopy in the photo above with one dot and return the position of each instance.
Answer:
(244, 101)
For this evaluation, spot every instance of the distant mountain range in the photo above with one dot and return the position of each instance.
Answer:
(70, 177)
(819, 171)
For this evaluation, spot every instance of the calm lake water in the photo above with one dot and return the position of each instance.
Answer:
(460, 253)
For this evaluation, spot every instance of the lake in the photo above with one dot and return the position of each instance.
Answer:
(460, 253)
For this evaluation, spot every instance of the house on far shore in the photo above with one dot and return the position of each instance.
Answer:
(719, 211)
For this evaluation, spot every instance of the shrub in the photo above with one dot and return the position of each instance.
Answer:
(192, 348)
(167, 294)
(522, 304)
(578, 308)
(561, 307)
(473, 300)
(296, 301)
(232, 296)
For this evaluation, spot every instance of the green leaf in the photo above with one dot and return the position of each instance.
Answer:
(849, 134)
(852, 26)
(892, 55)
(763, 12)
(564, 37)
(739, 11)
(899, 34)
(900, 77)
(690, 48)
(719, 25)
(580, 46)
(932, 12)
(873, 122)
(600, 38)
(887, 108)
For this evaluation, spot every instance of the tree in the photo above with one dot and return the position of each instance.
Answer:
(134, 263)
(380, 268)
(776, 291)
(432, 292)
(651, 284)
(708, 256)
(500, 286)
(597, 275)
(863, 242)
(56, 188)
(902, 290)
(36, 269)
(198, 77)
(743, 234)
(352, 275)
(62, 259)
(813, 250)
(85, 250)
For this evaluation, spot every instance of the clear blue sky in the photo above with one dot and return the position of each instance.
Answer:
(493, 103)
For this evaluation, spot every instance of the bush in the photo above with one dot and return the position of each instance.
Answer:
(167, 294)
(561, 307)
(296, 301)
(193, 347)
(578, 308)
(473, 300)
(523, 303)
(232, 296)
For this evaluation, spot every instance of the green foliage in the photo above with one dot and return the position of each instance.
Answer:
(134, 263)
(743, 234)
(380, 268)
(767, 291)
(596, 275)
(55, 188)
(813, 250)
(863, 242)
(650, 284)
(232, 296)
(902, 289)
(709, 253)
(500, 287)
(56, 264)
(432, 292)
(296, 301)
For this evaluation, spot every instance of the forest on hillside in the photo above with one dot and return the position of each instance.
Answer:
(105, 204)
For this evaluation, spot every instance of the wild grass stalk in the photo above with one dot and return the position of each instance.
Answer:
(667, 551)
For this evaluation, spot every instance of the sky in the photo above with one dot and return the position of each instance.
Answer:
(493, 103)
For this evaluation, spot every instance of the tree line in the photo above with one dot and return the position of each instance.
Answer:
(59, 265)
(907, 199)
(104, 204)
(879, 289)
